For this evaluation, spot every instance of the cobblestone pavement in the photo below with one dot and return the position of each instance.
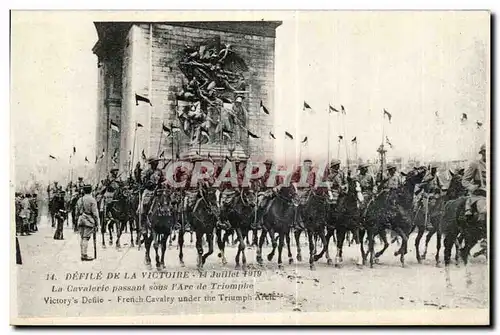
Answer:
(222, 289)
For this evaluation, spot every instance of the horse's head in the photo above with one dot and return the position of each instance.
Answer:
(455, 187)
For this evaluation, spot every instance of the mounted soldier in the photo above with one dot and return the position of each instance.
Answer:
(152, 180)
(109, 186)
(88, 219)
(474, 180)
(367, 183)
(430, 189)
(264, 195)
(336, 180)
(79, 186)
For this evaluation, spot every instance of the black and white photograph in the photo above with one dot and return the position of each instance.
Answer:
(250, 167)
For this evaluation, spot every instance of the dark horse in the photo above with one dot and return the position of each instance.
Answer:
(280, 213)
(390, 209)
(345, 217)
(435, 212)
(58, 209)
(204, 218)
(121, 214)
(160, 222)
(454, 223)
(239, 212)
(313, 209)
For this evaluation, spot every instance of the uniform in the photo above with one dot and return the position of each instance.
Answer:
(336, 181)
(391, 184)
(110, 186)
(152, 179)
(474, 180)
(25, 215)
(34, 213)
(88, 221)
(367, 184)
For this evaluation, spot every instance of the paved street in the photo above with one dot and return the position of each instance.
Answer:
(260, 289)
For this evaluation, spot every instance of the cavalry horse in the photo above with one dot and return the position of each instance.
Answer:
(435, 212)
(313, 210)
(121, 214)
(204, 217)
(280, 213)
(345, 217)
(455, 223)
(390, 209)
(239, 212)
(161, 220)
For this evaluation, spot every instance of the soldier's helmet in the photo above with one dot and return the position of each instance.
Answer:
(114, 170)
(391, 167)
(334, 162)
(80, 178)
(87, 188)
(363, 166)
(482, 149)
(268, 162)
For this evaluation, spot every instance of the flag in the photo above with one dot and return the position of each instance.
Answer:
(287, 134)
(162, 154)
(96, 159)
(141, 98)
(52, 157)
(342, 109)
(138, 125)
(115, 156)
(143, 154)
(103, 154)
(252, 135)
(341, 138)
(115, 127)
(86, 159)
(166, 130)
(272, 135)
(479, 124)
(226, 133)
(332, 109)
(304, 140)
(74, 150)
(389, 115)
(263, 108)
(306, 106)
(437, 114)
(177, 156)
(354, 140)
(388, 142)
(464, 117)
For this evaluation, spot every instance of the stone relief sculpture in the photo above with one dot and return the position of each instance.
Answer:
(211, 100)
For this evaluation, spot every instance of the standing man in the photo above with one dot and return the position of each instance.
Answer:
(474, 180)
(25, 214)
(88, 220)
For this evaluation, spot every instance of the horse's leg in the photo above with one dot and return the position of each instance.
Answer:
(280, 247)
(383, 236)
(259, 247)
(110, 231)
(449, 241)
(364, 255)
(310, 238)
(420, 233)
(199, 249)
(163, 246)
(340, 233)
(210, 241)
(438, 247)
(191, 237)
(427, 240)
(297, 233)
(255, 238)
(321, 235)
(130, 226)
(156, 244)
(103, 232)
(403, 249)
(275, 244)
(147, 246)
(181, 244)
(371, 242)
(470, 242)
(119, 231)
(221, 244)
(241, 249)
(289, 247)
(329, 234)
(457, 251)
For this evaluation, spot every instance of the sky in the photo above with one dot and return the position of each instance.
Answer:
(413, 64)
